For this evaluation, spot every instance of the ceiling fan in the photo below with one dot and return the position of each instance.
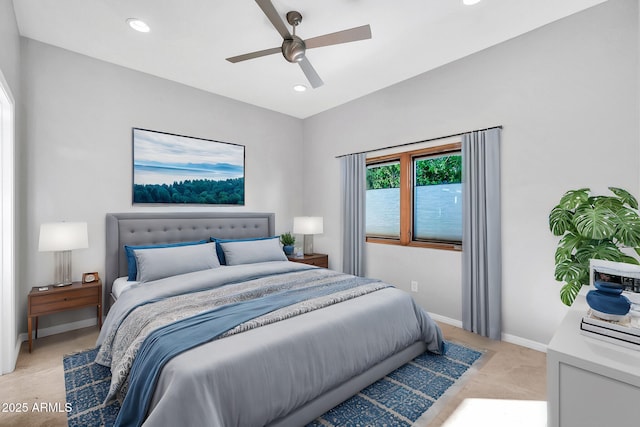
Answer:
(294, 48)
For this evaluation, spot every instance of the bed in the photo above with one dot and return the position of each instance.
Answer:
(313, 339)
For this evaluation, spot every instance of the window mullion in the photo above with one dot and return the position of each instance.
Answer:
(405, 199)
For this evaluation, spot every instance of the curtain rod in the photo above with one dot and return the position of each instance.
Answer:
(417, 142)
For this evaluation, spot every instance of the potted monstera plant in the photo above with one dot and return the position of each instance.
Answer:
(593, 227)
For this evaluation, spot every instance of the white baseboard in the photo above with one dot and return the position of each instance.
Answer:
(513, 339)
(58, 329)
(447, 320)
(534, 345)
(21, 338)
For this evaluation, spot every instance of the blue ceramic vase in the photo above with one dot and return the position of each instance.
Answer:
(608, 299)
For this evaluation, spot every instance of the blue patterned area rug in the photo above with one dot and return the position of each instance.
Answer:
(398, 399)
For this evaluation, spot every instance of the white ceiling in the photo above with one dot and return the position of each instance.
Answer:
(190, 39)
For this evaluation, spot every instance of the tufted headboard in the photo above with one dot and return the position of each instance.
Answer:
(140, 228)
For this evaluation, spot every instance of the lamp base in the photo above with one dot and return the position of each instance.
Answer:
(63, 268)
(308, 244)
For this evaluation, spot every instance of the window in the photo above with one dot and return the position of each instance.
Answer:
(383, 200)
(414, 198)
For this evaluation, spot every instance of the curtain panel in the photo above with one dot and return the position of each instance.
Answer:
(481, 234)
(354, 186)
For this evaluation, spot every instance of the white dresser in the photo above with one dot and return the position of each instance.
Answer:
(590, 382)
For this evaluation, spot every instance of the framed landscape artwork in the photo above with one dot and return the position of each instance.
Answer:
(178, 169)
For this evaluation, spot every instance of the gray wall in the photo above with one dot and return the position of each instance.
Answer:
(9, 46)
(567, 96)
(79, 113)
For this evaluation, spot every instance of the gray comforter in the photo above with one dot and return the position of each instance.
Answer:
(260, 375)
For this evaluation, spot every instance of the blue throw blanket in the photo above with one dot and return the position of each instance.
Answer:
(165, 343)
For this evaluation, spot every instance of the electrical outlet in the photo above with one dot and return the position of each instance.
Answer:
(414, 286)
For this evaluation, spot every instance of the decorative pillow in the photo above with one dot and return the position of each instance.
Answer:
(220, 252)
(158, 263)
(252, 251)
(132, 268)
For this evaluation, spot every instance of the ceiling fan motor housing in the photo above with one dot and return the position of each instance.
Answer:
(293, 49)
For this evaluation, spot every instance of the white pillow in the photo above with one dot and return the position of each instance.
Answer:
(158, 263)
(251, 251)
(120, 285)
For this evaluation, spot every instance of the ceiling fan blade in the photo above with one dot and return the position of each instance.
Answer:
(253, 55)
(310, 72)
(273, 15)
(344, 36)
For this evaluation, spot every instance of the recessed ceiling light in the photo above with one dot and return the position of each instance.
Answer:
(470, 2)
(138, 25)
(299, 88)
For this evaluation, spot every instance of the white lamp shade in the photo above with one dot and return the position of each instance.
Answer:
(63, 236)
(307, 225)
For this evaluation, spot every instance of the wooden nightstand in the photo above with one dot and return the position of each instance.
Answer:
(321, 260)
(57, 299)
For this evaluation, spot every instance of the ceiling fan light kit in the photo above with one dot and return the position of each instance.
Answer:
(294, 48)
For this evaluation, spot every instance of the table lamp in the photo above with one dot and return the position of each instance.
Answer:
(61, 238)
(308, 226)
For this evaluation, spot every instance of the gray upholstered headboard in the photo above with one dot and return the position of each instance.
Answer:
(170, 227)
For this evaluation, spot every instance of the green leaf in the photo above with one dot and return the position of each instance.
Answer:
(595, 222)
(567, 244)
(606, 202)
(569, 292)
(574, 198)
(569, 270)
(603, 249)
(629, 260)
(628, 232)
(626, 197)
(560, 220)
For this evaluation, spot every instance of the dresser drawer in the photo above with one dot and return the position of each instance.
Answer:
(63, 300)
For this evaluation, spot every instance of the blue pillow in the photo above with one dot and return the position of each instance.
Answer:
(220, 252)
(132, 266)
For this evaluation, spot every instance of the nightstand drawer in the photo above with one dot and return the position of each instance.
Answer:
(319, 260)
(59, 301)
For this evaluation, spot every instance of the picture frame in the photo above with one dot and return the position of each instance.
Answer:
(90, 277)
(184, 170)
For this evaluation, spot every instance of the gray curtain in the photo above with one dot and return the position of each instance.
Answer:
(353, 176)
(481, 235)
